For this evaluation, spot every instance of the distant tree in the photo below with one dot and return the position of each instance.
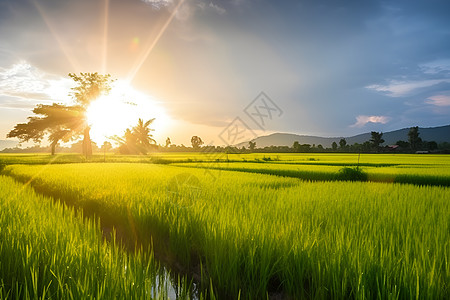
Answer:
(320, 147)
(296, 146)
(413, 137)
(105, 147)
(432, 145)
(334, 146)
(168, 142)
(305, 148)
(402, 144)
(252, 145)
(196, 142)
(376, 140)
(366, 146)
(342, 143)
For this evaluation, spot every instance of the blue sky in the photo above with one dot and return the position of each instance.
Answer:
(334, 68)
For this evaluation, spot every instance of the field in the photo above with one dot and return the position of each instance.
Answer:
(196, 225)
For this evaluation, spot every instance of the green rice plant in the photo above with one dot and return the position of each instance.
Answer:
(49, 251)
(422, 174)
(258, 235)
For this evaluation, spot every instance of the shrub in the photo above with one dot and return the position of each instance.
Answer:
(352, 174)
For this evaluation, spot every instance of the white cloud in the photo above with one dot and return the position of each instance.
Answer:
(157, 4)
(363, 120)
(186, 9)
(217, 8)
(439, 100)
(25, 85)
(404, 88)
(435, 67)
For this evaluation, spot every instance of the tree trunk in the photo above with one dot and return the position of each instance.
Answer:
(53, 148)
(87, 144)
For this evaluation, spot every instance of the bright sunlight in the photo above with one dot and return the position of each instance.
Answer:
(112, 114)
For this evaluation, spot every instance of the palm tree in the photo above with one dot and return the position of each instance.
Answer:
(142, 132)
(136, 140)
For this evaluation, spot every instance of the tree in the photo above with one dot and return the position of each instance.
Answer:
(60, 122)
(376, 139)
(168, 142)
(196, 142)
(252, 145)
(90, 86)
(142, 132)
(105, 147)
(402, 144)
(342, 143)
(136, 140)
(413, 137)
(296, 146)
(432, 145)
(334, 146)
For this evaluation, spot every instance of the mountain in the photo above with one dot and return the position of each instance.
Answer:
(438, 134)
(7, 144)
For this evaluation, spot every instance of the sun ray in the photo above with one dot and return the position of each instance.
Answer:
(105, 36)
(73, 62)
(112, 114)
(143, 58)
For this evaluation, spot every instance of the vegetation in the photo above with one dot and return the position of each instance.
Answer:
(256, 235)
(137, 140)
(62, 122)
(48, 250)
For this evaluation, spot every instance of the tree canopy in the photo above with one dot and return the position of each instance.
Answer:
(196, 142)
(62, 122)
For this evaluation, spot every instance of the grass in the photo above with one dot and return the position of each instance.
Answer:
(421, 174)
(256, 235)
(50, 251)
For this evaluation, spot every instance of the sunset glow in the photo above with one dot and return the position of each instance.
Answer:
(112, 114)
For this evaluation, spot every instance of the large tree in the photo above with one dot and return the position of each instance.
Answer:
(59, 122)
(90, 86)
(62, 122)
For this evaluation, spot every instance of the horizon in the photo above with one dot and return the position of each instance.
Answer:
(324, 69)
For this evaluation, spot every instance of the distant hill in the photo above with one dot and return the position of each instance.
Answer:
(7, 144)
(438, 134)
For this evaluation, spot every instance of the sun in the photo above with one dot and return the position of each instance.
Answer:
(112, 114)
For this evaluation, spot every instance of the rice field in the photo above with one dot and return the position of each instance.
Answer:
(249, 233)
(49, 251)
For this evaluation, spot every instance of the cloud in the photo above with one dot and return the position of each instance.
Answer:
(436, 67)
(439, 100)
(187, 9)
(217, 8)
(157, 4)
(363, 120)
(404, 88)
(24, 85)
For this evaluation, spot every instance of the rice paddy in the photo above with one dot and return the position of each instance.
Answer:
(239, 226)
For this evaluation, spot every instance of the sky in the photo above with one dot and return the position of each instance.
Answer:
(231, 70)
